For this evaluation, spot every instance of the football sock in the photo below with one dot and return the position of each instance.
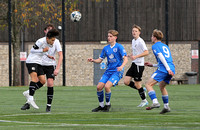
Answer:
(100, 95)
(155, 100)
(152, 95)
(141, 93)
(132, 85)
(108, 95)
(32, 88)
(166, 105)
(165, 99)
(50, 91)
(101, 104)
(38, 85)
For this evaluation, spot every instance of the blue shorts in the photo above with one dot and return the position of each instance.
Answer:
(161, 76)
(113, 77)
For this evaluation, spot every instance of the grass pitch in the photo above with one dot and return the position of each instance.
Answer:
(71, 109)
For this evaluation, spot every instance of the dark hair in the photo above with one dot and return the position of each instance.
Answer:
(52, 33)
(49, 25)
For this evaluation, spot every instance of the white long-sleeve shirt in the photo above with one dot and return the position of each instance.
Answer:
(36, 52)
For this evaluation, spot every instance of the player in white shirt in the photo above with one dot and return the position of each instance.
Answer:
(50, 68)
(34, 66)
(136, 70)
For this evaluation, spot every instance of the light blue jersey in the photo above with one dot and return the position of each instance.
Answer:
(160, 47)
(114, 56)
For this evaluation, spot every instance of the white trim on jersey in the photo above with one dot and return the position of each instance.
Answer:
(162, 59)
(138, 47)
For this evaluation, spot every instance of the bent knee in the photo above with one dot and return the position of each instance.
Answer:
(43, 81)
(126, 82)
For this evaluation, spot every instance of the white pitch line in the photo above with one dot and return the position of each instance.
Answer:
(60, 124)
(28, 114)
(65, 124)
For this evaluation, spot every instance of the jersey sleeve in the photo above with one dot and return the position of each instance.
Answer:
(37, 47)
(103, 54)
(122, 51)
(143, 46)
(163, 60)
(155, 50)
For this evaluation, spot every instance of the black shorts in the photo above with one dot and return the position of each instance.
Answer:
(33, 67)
(135, 72)
(48, 70)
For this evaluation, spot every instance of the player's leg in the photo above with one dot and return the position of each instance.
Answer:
(32, 90)
(138, 78)
(100, 92)
(136, 72)
(32, 69)
(27, 94)
(50, 92)
(100, 95)
(129, 74)
(141, 92)
(37, 81)
(49, 71)
(152, 94)
(164, 92)
(112, 81)
(108, 86)
(39, 84)
(128, 82)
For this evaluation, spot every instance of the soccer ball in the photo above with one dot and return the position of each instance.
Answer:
(75, 16)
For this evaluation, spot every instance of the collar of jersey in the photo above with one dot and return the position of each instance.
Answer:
(112, 46)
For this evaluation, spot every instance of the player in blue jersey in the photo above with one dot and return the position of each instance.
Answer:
(163, 74)
(116, 58)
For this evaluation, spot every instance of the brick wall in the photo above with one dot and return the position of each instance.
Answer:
(80, 73)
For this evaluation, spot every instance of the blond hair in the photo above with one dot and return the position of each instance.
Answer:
(113, 32)
(158, 34)
(138, 27)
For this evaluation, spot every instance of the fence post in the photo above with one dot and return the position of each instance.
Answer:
(199, 62)
(10, 42)
(166, 20)
(63, 39)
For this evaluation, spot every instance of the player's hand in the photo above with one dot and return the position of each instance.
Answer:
(170, 73)
(90, 60)
(148, 64)
(119, 68)
(45, 49)
(55, 72)
(132, 57)
(51, 57)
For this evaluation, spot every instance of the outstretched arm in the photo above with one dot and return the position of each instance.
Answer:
(99, 60)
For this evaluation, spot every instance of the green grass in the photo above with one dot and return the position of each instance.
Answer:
(71, 109)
